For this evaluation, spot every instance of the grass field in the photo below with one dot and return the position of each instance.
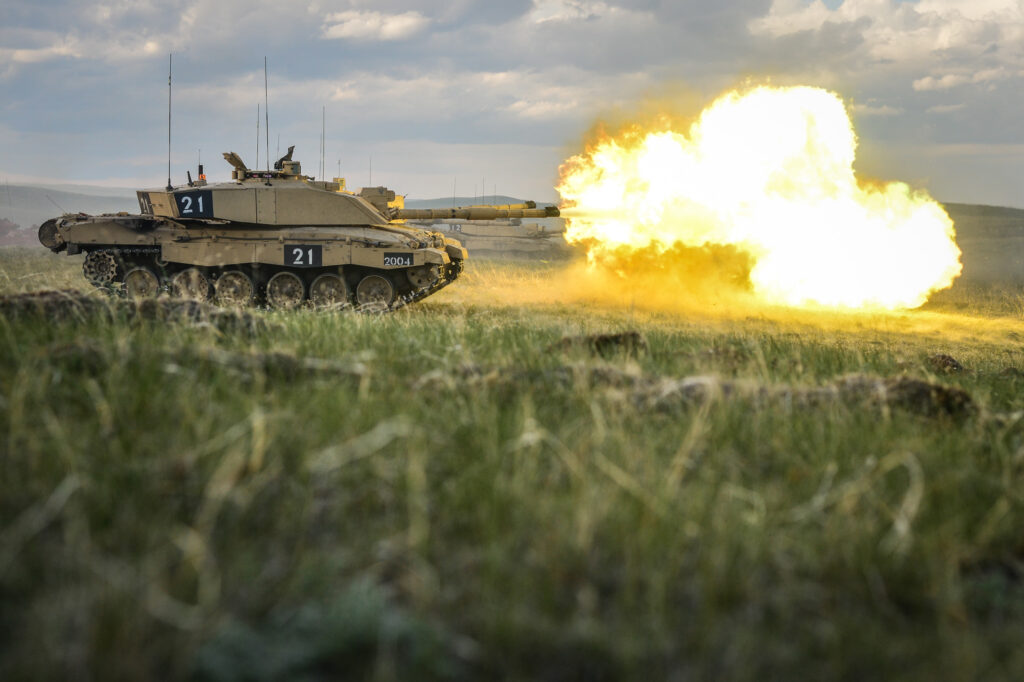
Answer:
(454, 492)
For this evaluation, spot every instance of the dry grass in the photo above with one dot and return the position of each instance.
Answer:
(453, 492)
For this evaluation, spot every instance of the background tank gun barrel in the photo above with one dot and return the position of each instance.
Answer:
(526, 210)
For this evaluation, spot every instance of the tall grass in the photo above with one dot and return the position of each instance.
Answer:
(439, 493)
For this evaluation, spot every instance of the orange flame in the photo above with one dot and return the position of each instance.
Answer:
(768, 172)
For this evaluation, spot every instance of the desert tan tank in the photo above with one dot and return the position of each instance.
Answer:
(275, 237)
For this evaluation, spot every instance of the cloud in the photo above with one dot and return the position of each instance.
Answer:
(369, 25)
(568, 10)
(922, 35)
(946, 108)
(952, 80)
(877, 110)
(908, 55)
(64, 48)
(941, 83)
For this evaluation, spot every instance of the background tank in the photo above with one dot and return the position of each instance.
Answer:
(272, 236)
(506, 237)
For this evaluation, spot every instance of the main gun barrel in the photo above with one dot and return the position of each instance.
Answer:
(527, 210)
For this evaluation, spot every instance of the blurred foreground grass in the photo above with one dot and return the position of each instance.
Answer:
(440, 494)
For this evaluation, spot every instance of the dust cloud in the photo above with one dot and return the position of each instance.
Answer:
(710, 287)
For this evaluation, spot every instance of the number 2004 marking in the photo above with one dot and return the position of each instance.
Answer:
(303, 255)
(399, 259)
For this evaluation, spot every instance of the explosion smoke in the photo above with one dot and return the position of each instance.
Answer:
(767, 173)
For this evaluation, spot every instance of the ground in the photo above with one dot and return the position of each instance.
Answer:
(509, 480)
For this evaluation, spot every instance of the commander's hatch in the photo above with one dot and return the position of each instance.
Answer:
(284, 168)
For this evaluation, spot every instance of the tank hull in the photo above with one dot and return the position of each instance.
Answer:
(400, 264)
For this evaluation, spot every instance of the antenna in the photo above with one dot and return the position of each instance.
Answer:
(169, 63)
(371, 172)
(266, 113)
(59, 207)
(323, 142)
(257, 164)
(453, 192)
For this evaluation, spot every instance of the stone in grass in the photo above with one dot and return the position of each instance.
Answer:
(915, 396)
(943, 363)
(69, 304)
(629, 343)
(909, 394)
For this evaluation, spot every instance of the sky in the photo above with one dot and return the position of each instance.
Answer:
(467, 97)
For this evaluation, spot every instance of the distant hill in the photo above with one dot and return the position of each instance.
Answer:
(29, 206)
(992, 241)
(12, 235)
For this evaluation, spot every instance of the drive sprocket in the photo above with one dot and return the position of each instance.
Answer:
(100, 268)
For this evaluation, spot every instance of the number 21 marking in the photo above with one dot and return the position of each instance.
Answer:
(187, 203)
(297, 255)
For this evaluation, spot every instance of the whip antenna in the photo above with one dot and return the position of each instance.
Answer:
(266, 113)
(169, 186)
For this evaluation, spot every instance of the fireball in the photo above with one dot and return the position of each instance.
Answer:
(768, 172)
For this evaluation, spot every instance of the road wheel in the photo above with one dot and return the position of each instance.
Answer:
(235, 288)
(328, 290)
(375, 290)
(424, 276)
(285, 290)
(141, 283)
(191, 283)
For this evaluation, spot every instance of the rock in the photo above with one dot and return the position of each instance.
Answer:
(68, 304)
(916, 396)
(629, 343)
(907, 393)
(944, 364)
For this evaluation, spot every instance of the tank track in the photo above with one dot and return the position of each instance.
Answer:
(454, 269)
(106, 267)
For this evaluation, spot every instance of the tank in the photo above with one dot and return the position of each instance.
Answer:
(271, 237)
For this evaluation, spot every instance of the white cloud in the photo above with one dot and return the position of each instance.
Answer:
(369, 25)
(945, 82)
(925, 47)
(905, 31)
(946, 108)
(952, 80)
(566, 10)
(792, 16)
(877, 110)
(563, 94)
(64, 48)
